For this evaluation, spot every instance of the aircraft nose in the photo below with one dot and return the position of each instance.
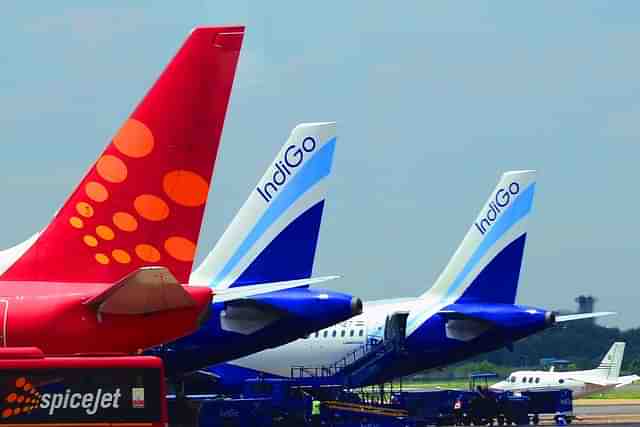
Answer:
(356, 306)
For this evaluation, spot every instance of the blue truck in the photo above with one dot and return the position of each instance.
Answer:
(285, 402)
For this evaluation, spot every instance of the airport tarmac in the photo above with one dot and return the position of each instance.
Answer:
(595, 412)
(606, 406)
(607, 410)
(603, 413)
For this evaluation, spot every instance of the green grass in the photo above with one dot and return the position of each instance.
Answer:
(628, 392)
(456, 384)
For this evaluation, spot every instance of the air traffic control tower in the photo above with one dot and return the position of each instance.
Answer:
(586, 304)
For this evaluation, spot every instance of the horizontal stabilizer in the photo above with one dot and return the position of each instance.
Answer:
(490, 313)
(146, 290)
(230, 294)
(600, 382)
(456, 315)
(206, 374)
(626, 380)
(580, 316)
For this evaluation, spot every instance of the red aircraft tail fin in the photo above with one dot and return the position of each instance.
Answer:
(142, 202)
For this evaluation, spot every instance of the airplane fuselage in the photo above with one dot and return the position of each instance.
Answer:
(55, 318)
(545, 380)
(438, 341)
(291, 314)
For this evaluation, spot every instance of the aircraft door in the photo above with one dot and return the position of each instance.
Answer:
(395, 327)
(4, 308)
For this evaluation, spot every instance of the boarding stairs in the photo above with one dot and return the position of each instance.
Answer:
(363, 365)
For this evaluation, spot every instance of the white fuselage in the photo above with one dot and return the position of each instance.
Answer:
(581, 383)
(509, 206)
(330, 345)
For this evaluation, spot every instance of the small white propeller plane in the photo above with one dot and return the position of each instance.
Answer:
(605, 377)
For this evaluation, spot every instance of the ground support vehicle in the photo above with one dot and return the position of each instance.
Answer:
(556, 403)
(283, 402)
(82, 391)
(462, 407)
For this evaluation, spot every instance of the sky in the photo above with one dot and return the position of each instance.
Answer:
(434, 100)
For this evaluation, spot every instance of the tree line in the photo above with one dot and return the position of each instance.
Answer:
(583, 343)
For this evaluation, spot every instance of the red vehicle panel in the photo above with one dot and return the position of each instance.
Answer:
(81, 391)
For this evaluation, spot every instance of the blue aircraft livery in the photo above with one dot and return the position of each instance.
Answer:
(270, 243)
(274, 236)
(469, 310)
(293, 157)
(501, 201)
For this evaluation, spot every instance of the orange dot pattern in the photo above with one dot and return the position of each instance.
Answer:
(180, 248)
(125, 221)
(185, 188)
(90, 241)
(151, 207)
(148, 253)
(102, 259)
(134, 139)
(76, 222)
(85, 209)
(105, 232)
(111, 169)
(121, 256)
(23, 400)
(96, 191)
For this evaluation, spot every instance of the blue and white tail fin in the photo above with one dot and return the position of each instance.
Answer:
(486, 265)
(273, 237)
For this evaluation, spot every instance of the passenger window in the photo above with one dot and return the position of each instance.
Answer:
(524, 379)
(537, 380)
(317, 334)
(361, 332)
(352, 332)
(530, 380)
(343, 333)
(334, 334)
(513, 379)
(326, 333)
(561, 381)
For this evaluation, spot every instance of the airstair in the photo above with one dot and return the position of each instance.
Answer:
(364, 364)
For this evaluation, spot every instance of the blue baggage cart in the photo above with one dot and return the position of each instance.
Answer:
(557, 403)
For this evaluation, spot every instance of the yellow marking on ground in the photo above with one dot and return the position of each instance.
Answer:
(355, 407)
(605, 402)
